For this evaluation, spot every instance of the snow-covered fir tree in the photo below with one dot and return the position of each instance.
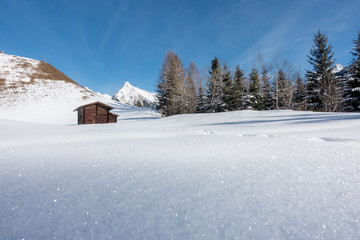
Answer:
(253, 99)
(352, 84)
(227, 91)
(201, 100)
(322, 87)
(239, 89)
(299, 94)
(163, 87)
(266, 90)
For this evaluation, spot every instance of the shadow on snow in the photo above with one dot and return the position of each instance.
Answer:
(295, 119)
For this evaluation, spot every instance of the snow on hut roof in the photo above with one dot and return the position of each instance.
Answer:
(95, 103)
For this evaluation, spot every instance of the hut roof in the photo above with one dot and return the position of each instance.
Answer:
(108, 107)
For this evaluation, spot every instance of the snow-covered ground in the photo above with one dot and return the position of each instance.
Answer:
(236, 175)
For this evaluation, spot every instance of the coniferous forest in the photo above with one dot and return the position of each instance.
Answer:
(268, 86)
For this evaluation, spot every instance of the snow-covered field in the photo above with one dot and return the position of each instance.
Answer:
(236, 175)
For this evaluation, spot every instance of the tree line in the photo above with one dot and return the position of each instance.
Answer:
(268, 86)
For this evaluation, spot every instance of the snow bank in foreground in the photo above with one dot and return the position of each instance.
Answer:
(236, 175)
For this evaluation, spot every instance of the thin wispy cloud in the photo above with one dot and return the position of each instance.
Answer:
(270, 43)
(340, 18)
(83, 35)
(114, 22)
(290, 33)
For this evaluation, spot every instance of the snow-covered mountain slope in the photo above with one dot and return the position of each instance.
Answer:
(33, 90)
(134, 96)
(236, 175)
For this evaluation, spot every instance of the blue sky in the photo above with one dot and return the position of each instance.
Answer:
(102, 44)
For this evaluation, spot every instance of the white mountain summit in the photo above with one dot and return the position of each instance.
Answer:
(338, 68)
(134, 96)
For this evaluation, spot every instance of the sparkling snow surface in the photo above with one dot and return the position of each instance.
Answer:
(236, 175)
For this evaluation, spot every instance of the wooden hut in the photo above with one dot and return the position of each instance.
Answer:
(96, 112)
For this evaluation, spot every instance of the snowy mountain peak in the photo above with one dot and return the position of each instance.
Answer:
(338, 68)
(127, 84)
(134, 96)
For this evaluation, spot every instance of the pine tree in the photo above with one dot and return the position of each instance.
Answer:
(164, 85)
(352, 94)
(299, 94)
(265, 90)
(238, 90)
(214, 88)
(279, 81)
(201, 100)
(253, 99)
(322, 87)
(227, 96)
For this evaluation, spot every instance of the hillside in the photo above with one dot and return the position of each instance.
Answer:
(33, 90)
(236, 175)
